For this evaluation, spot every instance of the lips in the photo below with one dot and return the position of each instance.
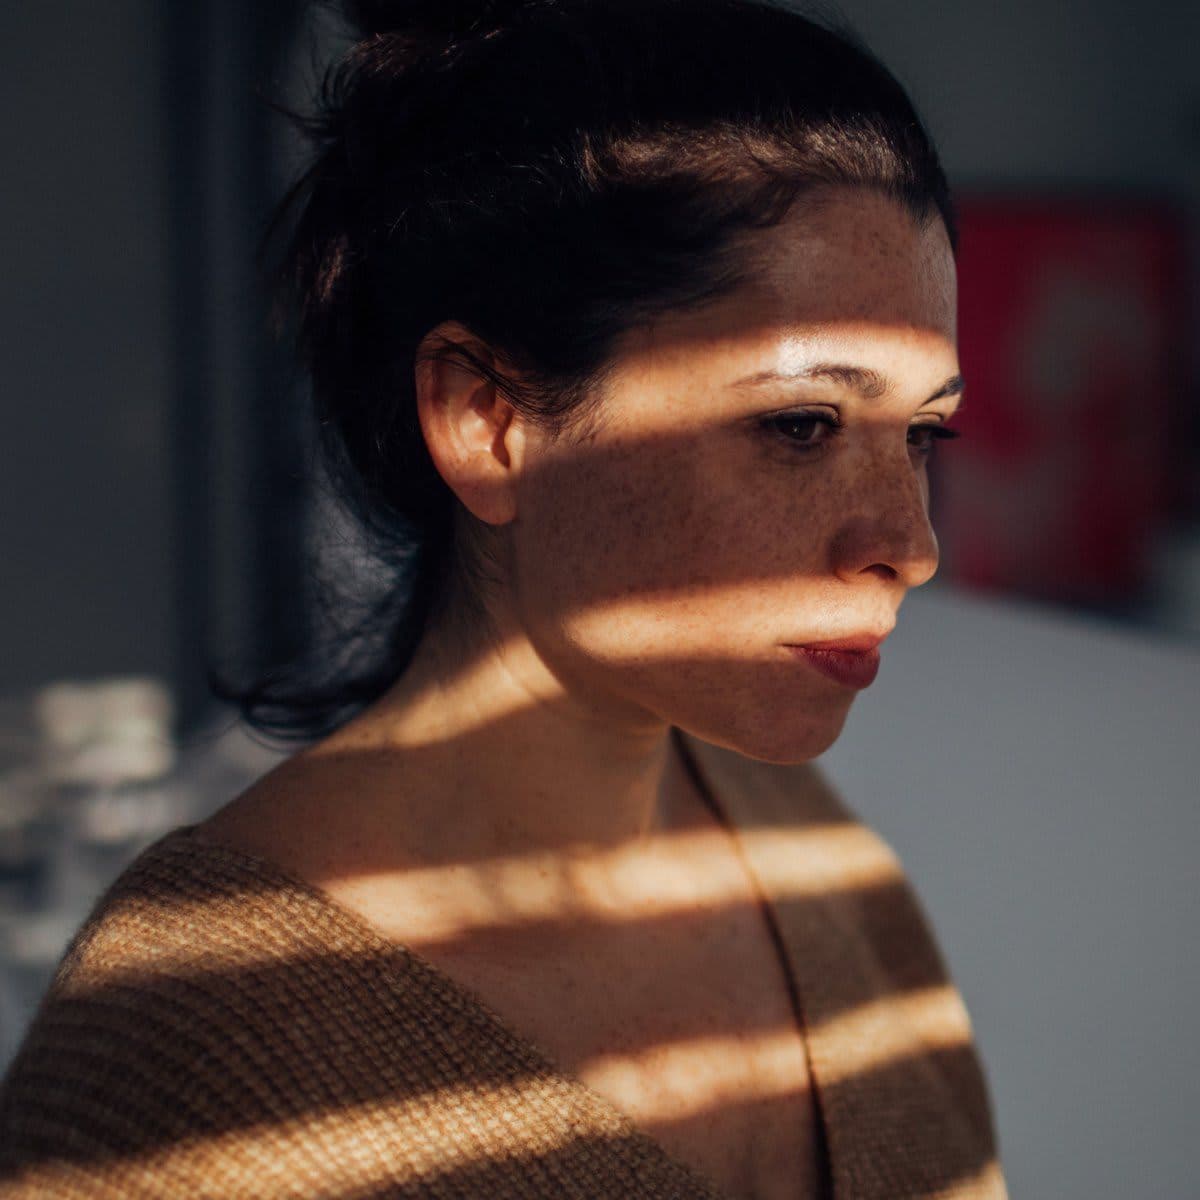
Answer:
(858, 644)
(852, 661)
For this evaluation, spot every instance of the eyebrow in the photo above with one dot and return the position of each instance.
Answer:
(869, 384)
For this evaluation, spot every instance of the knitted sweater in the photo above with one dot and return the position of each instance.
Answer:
(219, 1028)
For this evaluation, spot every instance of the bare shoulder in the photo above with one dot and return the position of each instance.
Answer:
(268, 819)
(302, 816)
(345, 828)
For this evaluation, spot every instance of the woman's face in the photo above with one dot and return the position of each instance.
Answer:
(755, 480)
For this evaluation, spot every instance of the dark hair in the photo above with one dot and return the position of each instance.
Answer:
(548, 173)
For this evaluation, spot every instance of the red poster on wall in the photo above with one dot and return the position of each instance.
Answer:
(1071, 322)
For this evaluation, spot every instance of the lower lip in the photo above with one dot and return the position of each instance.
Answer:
(850, 668)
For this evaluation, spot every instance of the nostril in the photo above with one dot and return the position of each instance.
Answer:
(883, 571)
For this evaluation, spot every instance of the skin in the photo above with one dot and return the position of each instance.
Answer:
(649, 568)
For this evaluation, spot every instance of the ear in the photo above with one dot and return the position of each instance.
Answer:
(475, 437)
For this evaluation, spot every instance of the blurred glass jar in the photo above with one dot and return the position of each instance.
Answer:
(85, 783)
(107, 751)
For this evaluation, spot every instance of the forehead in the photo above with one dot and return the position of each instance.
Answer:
(849, 274)
(853, 257)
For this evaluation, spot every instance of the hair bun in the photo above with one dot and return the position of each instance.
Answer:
(455, 17)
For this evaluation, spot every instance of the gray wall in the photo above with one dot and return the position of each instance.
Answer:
(1040, 778)
(1074, 91)
(85, 503)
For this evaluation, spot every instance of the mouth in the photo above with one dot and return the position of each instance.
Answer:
(852, 662)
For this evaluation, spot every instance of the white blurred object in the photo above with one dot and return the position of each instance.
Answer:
(106, 733)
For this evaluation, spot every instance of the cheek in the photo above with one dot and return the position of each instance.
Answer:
(667, 580)
(641, 536)
(599, 543)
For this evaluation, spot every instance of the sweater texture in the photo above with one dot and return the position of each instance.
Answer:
(219, 1028)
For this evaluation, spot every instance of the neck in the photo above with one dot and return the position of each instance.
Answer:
(496, 756)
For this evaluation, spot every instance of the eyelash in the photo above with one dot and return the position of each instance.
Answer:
(835, 425)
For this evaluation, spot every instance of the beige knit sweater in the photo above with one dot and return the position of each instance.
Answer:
(221, 1029)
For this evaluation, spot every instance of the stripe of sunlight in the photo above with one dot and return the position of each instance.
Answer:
(460, 688)
(524, 890)
(356, 1145)
(702, 1074)
(355, 1140)
(895, 1027)
(696, 1076)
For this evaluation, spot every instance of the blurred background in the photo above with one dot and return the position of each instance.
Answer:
(1032, 748)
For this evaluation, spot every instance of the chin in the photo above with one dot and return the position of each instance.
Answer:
(773, 738)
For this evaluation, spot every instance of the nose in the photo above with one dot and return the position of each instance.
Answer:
(887, 533)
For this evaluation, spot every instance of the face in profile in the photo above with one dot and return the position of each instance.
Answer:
(754, 480)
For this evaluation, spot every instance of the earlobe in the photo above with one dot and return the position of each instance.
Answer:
(474, 435)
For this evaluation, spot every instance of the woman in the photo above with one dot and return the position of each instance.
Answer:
(631, 331)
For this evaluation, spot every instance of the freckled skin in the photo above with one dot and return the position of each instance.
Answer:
(665, 563)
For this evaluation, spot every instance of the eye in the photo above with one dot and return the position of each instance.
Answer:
(922, 438)
(807, 431)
